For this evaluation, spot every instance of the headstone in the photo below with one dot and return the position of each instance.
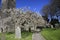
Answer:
(51, 26)
(56, 25)
(18, 32)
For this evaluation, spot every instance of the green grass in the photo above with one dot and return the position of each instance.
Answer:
(0, 33)
(51, 34)
(0, 36)
(25, 36)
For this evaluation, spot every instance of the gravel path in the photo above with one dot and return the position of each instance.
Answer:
(37, 36)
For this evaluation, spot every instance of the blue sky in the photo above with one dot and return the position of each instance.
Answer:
(34, 5)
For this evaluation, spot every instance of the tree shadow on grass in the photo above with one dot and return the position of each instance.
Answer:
(0, 36)
(25, 34)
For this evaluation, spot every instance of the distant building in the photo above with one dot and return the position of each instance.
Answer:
(7, 4)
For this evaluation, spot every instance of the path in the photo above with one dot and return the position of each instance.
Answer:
(37, 36)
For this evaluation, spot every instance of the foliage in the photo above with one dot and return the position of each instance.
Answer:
(54, 21)
(51, 9)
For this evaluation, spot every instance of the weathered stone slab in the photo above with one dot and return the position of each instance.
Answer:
(18, 32)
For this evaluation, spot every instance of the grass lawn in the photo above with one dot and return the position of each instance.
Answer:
(51, 34)
(25, 36)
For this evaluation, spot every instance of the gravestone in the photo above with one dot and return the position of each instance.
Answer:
(51, 26)
(56, 25)
(18, 32)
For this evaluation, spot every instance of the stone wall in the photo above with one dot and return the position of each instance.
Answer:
(25, 20)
